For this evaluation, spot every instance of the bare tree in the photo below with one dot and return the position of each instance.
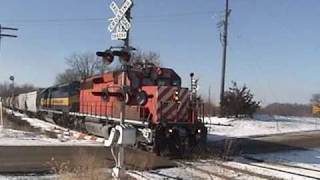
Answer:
(69, 75)
(142, 57)
(81, 66)
(6, 89)
(315, 99)
(287, 109)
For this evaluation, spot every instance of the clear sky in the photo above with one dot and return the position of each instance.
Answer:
(274, 45)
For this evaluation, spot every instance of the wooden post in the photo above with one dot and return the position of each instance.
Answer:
(1, 115)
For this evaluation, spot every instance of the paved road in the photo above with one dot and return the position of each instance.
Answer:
(270, 143)
(24, 159)
(36, 158)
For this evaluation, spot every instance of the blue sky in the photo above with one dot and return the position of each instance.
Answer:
(274, 45)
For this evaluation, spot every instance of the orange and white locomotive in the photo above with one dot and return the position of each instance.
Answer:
(167, 116)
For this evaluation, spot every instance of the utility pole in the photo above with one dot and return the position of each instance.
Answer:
(1, 116)
(209, 102)
(11, 78)
(7, 35)
(224, 55)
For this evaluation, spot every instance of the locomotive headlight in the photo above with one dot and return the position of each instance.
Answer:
(170, 130)
(199, 131)
(176, 96)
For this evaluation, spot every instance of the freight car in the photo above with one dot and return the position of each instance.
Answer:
(21, 100)
(31, 102)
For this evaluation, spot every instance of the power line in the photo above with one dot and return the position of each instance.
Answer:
(7, 35)
(69, 20)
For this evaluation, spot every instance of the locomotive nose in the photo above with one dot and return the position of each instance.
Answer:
(172, 103)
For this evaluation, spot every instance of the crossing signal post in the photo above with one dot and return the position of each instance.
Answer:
(119, 28)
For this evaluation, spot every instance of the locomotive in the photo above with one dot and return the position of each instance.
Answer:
(167, 116)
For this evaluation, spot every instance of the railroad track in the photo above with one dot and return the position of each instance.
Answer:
(227, 172)
(250, 168)
(296, 170)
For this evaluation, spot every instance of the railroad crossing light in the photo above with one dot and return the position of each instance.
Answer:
(142, 98)
(124, 56)
(137, 98)
(107, 56)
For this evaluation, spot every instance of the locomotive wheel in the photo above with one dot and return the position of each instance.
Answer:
(160, 146)
(199, 141)
(164, 150)
(172, 146)
(175, 145)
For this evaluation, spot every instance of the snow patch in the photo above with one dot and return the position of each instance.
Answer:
(223, 128)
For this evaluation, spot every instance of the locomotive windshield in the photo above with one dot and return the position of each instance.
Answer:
(161, 77)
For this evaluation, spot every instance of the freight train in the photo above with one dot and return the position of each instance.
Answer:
(167, 116)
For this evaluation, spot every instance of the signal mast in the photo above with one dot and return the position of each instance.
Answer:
(119, 28)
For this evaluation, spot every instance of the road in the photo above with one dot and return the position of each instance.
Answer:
(38, 159)
(269, 143)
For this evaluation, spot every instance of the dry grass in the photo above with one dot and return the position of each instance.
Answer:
(83, 167)
(227, 149)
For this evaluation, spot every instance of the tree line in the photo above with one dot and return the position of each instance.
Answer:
(238, 101)
(83, 65)
(6, 89)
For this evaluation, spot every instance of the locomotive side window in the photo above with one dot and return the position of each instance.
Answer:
(176, 82)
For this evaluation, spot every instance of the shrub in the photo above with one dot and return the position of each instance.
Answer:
(238, 101)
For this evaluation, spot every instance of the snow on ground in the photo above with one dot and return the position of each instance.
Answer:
(223, 128)
(292, 168)
(208, 170)
(303, 158)
(170, 173)
(10, 137)
(37, 123)
(28, 177)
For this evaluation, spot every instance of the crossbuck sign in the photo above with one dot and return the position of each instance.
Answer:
(119, 25)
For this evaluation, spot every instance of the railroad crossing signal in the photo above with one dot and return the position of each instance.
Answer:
(119, 25)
